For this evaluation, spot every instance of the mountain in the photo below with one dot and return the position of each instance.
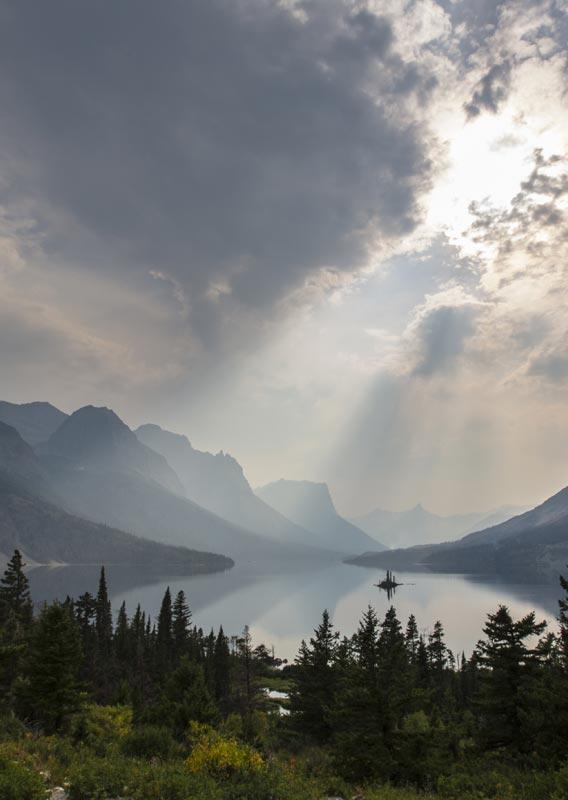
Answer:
(46, 533)
(532, 546)
(417, 526)
(310, 505)
(97, 438)
(106, 475)
(217, 483)
(35, 422)
(19, 465)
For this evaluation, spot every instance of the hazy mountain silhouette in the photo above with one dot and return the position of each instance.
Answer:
(419, 526)
(310, 505)
(106, 475)
(530, 546)
(217, 483)
(46, 533)
(98, 438)
(35, 422)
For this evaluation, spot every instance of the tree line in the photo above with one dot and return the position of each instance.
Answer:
(385, 704)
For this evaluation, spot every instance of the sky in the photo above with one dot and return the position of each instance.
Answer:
(329, 237)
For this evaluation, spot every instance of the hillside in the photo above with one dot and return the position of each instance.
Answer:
(217, 483)
(530, 546)
(310, 505)
(47, 534)
(35, 422)
(97, 438)
(106, 475)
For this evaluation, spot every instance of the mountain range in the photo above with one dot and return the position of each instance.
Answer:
(218, 484)
(85, 488)
(419, 526)
(532, 546)
(32, 521)
(310, 505)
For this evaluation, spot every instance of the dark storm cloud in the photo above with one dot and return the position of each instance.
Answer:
(491, 90)
(441, 334)
(222, 141)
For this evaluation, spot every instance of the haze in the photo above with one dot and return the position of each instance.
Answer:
(326, 237)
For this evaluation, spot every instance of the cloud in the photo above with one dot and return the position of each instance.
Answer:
(234, 148)
(491, 91)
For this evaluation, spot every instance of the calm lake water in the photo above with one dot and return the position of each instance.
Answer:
(283, 607)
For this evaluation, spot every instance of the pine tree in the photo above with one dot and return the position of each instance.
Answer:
(394, 675)
(437, 651)
(103, 618)
(16, 618)
(508, 681)
(366, 644)
(222, 670)
(51, 691)
(15, 601)
(181, 626)
(164, 638)
(315, 682)
(412, 639)
(563, 621)
(103, 648)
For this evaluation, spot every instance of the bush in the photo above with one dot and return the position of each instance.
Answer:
(100, 726)
(148, 741)
(219, 756)
(99, 779)
(93, 778)
(20, 783)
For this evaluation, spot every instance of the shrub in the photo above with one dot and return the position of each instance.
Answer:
(148, 741)
(220, 756)
(93, 778)
(102, 726)
(20, 783)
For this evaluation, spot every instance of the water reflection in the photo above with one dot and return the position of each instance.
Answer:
(284, 606)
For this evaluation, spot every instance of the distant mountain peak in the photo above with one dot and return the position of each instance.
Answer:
(309, 504)
(96, 436)
(35, 422)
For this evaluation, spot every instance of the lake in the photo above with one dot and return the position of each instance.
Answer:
(283, 606)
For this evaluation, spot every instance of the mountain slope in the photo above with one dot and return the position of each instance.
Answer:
(35, 422)
(97, 438)
(46, 533)
(530, 546)
(106, 477)
(217, 483)
(310, 505)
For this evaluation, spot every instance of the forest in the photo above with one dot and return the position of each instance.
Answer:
(104, 706)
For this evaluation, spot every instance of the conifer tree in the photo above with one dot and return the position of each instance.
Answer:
(563, 621)
(51, 690)
(508, 680)
(412, 639)
(367, 644)
(103, 618)
(181, 626)
(315, 683)
(15, 598)
(222, 670)
(164, 636)
(104, 665)
(394, 674)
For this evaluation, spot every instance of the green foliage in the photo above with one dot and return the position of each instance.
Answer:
(101, 727)
(18, 782)
(51, 689)
(148, 741)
